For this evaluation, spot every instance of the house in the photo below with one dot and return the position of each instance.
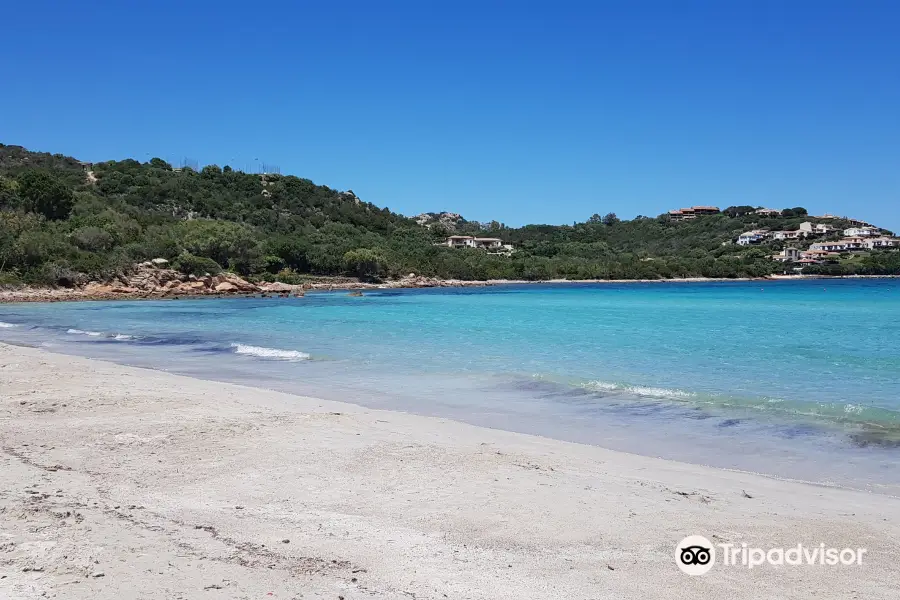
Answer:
(488, 243)
(686, 214)
(855, 243)
(752, 237)
(459, 241)
(767, 212)
(818, 254)
(839, 246)
(861, 231)
(881, 242)
(810, 228)
(484, 243)
(705, 210)
(682, 214)
(788, 235)
(788, 255)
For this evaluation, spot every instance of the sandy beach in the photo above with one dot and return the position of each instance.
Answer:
(119, 482)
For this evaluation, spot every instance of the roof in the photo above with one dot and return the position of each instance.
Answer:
(478, 239)
(460, 237)
(705, 207)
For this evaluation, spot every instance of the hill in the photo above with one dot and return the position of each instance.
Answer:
(65, 222)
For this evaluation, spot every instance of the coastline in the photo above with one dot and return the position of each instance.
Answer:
(121, 482)
(97, 291)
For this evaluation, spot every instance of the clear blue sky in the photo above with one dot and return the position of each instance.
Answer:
(517, 111)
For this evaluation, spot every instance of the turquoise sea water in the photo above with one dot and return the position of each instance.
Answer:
(795, 379)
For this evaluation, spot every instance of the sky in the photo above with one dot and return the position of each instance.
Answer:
(518, 111)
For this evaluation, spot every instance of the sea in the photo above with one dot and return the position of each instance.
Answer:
(791, 379)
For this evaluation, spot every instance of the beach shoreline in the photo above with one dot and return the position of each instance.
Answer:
(127, 482)
(106, 292)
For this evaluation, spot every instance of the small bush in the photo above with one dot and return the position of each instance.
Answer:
(92, 239)
(196, 265)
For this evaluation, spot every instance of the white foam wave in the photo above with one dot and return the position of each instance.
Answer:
(82, 332)
(639, 390)
(274, 353)
(6, 325)
(123, 337)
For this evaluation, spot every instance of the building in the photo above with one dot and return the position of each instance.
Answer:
(757, 236)
(881, 242)
(767, 212)
(855, 243)
(843, 245)
(810, 228)
(458, 241)
(818, 254)
(686, 214)
(839, 246)
(484, 243)
(861, 231)
(788, 255)
(788, 235)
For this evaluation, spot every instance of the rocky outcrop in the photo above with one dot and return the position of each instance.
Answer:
(152, 278)
(450, 221)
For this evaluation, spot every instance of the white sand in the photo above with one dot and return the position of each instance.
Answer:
(172, 487)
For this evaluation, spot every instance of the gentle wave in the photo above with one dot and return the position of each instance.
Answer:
(638, 390)
(82, 332)
(6, 325)
(122, 337)
(883, 420)
(274, 353)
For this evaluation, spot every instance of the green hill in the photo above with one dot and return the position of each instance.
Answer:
(65, 222)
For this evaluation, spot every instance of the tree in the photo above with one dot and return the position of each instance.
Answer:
(365, 263)
(9, 197)
(45, 194)
(211, 171)
(738, 211)
(595, 218)
(158, 163)
(611, 219)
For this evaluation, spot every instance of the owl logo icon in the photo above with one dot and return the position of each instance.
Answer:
(695, 555)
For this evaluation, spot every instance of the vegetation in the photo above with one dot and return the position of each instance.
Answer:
(60, 225)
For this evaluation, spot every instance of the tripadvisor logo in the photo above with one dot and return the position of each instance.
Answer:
(696, 555)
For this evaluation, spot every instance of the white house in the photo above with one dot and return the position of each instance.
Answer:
(752, 237)
(788, 235)
(861, 231)
(468, 241)
(881, 242)
(839, 246)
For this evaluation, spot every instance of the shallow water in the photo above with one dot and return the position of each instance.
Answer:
(793, 379)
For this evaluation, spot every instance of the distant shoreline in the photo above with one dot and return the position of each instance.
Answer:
(42, 294)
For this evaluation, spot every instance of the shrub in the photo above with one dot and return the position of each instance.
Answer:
(92, 238)
(196, 265)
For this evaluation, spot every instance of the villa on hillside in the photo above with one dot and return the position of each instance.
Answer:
(816, 228)
(787, 255)
(483, 243)
(881, 242)
(843, 245)
(757, 236)
(686, 214)
(788, 235)
(767, 212)
(861, 231)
